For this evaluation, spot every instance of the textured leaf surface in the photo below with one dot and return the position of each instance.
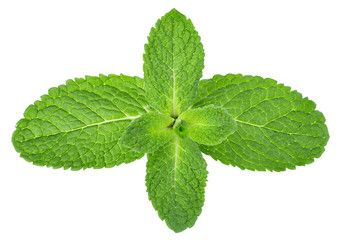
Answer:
(175, 180)
(277, 127)
(173, 63)
(78, 125)
(209, 125)
(148, 133)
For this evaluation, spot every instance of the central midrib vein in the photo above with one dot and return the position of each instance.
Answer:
(86, 126)
(174, 110)
(271, 129)
(176, 158)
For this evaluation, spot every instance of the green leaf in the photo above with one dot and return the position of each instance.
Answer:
(173, 63)
(181, 128)
(78, 125)
(148, 133)
(209, 125)
(278, 129)
(175, 180)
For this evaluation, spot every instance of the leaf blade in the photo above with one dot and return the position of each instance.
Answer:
(77, 125)
(173, 63)
(278, 129)
(175, 180)
(148, 133)
(209, 125)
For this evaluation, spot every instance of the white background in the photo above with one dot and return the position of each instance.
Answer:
(44, 43)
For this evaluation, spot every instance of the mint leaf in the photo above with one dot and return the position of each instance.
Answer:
(173, 63)
(278, 129)
(208, 125)
(148, 133)
(78, 125)
(175, 180)
(181, 128)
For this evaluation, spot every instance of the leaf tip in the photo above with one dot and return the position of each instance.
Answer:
(174, 13)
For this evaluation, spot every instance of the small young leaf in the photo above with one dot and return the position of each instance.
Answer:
(78, 124)
(173, 63)
(175, 180)
(277, 127)
(148, 133)
(181, 128)
(209, 125)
